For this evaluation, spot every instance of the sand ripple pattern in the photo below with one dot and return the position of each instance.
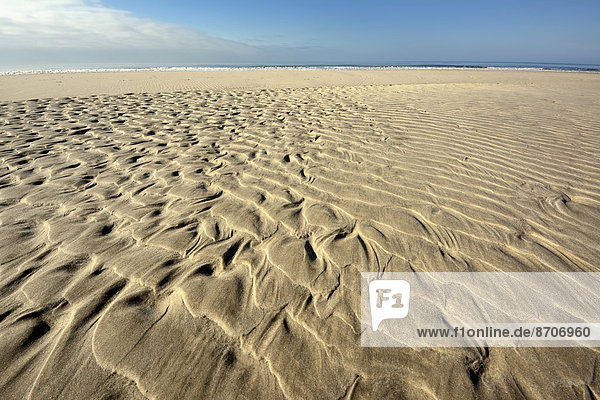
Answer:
(208, 244)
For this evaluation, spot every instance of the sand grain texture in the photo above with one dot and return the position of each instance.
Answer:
(208, 243)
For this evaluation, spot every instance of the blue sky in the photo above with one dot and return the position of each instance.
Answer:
(297, 32)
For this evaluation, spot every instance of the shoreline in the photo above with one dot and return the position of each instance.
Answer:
(435, 65)
(595, 70)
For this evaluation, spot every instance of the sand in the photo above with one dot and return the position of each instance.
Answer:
(201, 234)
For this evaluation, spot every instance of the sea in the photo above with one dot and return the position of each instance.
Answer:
(49, 69)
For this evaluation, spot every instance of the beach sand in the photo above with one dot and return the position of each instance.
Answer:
(201, 234)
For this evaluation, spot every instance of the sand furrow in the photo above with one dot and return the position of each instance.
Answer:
(209, 242)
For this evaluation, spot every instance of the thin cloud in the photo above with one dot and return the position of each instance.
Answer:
(68, 26)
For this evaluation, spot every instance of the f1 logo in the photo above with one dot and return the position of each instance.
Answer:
(389, 299)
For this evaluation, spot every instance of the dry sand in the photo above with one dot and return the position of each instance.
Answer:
(204, 239)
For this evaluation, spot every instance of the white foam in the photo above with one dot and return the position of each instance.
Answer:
(254, 68)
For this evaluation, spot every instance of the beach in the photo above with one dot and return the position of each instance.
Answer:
(201, 234)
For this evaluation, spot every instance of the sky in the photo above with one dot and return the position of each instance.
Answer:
(182, 32)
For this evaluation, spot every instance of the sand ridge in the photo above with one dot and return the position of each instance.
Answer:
(208, 243)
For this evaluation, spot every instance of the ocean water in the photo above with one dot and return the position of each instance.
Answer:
(35, 69)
